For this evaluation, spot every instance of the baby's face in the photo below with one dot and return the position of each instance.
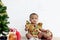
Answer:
(34, 19)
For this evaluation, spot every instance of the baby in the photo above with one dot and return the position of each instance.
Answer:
(35, 29)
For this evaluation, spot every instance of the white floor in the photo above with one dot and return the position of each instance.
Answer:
(54, 38)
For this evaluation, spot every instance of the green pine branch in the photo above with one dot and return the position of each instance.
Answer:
(3, 19)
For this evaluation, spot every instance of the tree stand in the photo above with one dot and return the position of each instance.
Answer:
(3, 38)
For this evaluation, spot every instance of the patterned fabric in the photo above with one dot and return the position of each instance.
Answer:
(34, 29)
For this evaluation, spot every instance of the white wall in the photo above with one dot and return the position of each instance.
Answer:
(48, 11)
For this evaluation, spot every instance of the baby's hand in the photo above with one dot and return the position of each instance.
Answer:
(43, 30)
(38, 30)
(26, 29)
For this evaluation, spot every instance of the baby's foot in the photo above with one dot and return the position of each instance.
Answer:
(31, 39)
(37, 39)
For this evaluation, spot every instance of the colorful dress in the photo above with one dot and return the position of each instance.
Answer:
(33, 30)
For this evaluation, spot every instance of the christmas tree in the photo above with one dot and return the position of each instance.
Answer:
(3, 20)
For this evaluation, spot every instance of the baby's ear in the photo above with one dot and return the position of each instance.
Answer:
(27, 22)
(40, 24)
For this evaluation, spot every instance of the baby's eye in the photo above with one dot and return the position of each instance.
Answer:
(36, 18)
(32, 18)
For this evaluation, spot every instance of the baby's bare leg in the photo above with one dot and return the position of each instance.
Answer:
(28, 35)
